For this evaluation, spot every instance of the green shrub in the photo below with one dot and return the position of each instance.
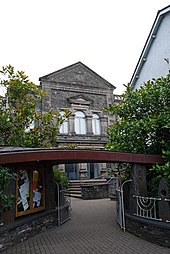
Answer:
(6, 199)
(60, 177)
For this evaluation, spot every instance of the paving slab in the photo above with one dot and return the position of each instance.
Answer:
(92, 230)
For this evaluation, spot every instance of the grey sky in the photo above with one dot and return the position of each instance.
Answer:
(40, 36)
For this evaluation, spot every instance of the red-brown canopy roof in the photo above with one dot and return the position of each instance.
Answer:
(16, 155)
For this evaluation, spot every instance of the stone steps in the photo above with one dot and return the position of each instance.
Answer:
(74, 189)
(75, 186)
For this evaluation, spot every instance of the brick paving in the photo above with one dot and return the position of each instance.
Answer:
(92, 230)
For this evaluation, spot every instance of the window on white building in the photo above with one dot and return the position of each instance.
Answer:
(64, 125)
(96, 124)
(80, 122)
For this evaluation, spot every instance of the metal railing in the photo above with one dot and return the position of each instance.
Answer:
(148, 207)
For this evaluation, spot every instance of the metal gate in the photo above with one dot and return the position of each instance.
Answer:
(120, 205)
(63, 206)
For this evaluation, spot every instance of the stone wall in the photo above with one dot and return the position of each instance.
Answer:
(148, 220)
(29, 226)
(78, 88)
(153, 231)
(96, 191)
(72, 81)
(59, 99)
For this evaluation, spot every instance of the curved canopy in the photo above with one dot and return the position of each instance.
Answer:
(17, 155)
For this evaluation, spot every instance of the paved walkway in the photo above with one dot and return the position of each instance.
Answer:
(92, 230)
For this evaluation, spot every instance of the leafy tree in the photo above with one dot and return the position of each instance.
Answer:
(143, 124)
(19, 110)
(22, 123)
(157, 172)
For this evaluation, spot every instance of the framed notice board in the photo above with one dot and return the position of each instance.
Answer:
(30, 191)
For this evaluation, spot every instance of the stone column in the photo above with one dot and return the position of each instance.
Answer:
(71, 123)
(103, 169)
(89, 125)
(104, 125)
(83, 171)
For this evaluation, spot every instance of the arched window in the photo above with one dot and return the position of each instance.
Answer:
(96, 124)
(80, 123)
(64, 125)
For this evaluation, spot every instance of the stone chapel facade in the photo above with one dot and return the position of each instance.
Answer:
(85, 94)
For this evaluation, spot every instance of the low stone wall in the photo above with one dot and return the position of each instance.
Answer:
(29, 226)
(95, 191)
(150, 230)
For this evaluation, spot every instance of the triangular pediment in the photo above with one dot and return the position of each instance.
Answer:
(78, 74)
(80, 99)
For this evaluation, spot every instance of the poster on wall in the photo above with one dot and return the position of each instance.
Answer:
(36, 199)
(23, 191)
(24, 194)
(29, 191)
(37, 189)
